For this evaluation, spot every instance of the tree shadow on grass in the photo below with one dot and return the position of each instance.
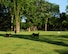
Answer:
(41, 39)
(54, 42)
(44, 39)
(64, 36)
(2, 35)
(62, 51)
(22, 36)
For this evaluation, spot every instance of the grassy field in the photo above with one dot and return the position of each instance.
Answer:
(50, 42)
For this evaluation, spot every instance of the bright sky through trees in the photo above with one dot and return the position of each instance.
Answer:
(62, 4)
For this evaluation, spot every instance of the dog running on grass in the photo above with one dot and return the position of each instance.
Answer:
(35, 35)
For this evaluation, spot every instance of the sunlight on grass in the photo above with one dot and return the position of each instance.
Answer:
(15, 45)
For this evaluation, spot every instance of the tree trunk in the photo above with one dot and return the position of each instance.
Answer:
(17, 24)
(46, 24)
(29, 29)
(12, 22)
(17, 16)
(35, 28)
(46, 27)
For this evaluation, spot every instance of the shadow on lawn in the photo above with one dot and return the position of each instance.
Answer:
(62, 51)
(48, 40)
(41, 39)
(64, 36)
(2, 34)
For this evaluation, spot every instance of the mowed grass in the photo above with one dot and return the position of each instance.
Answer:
(50, 42)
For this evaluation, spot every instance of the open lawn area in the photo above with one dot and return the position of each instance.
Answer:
(50, 42)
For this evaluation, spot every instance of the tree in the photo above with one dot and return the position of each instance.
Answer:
(54, 22)
(67, 9)
(5, 18)
(44, 12)
(64, 21)
(17, 9)
(37, 12)
(30, 13)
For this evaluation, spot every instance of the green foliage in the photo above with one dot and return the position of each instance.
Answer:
(67, 9)
(5, 18)
(65, 23)
(23, 26)
(39, 13)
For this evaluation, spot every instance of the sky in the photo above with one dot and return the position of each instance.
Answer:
(62, 4)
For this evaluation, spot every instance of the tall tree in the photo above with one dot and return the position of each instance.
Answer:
(64, 21)
(54, 19)
(4, 16)
(16, 9)
(44, 12)
(30, 13)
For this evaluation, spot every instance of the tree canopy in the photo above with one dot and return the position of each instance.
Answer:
(40, 14)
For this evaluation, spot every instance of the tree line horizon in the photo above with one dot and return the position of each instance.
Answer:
(40, 15)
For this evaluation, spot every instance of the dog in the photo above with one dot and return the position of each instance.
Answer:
(35, 35)
(8, 35)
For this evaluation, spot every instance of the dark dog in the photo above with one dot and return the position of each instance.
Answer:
(8, 35)
(35, 35)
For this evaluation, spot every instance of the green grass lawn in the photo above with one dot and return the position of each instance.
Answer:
(50, 42)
